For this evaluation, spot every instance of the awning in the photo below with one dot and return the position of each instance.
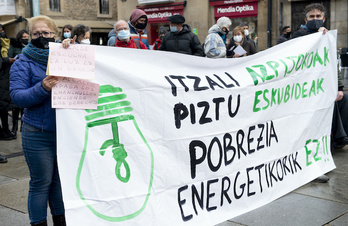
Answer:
(160, 13)
(96, 26)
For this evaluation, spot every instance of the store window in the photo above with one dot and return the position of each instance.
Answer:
(55, 5)
(104, 6)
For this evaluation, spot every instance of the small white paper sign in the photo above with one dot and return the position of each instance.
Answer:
(75, 93)
(76, 61)
(239, 50)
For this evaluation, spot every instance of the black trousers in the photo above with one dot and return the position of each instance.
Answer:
(340, 118)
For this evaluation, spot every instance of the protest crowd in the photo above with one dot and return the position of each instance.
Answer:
(25, 88)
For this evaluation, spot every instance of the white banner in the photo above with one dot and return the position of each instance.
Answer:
(184, 140)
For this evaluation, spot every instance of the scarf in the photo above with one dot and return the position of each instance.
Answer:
(36, 54)
(5, 45)
(305, 27)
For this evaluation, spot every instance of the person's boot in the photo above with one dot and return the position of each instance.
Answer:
(59, 220)
(340, 143)
(9, 134)
(14, 126)
(322, 179)
(4, 135)
(43, 223)
(3, 159)
(15, 118)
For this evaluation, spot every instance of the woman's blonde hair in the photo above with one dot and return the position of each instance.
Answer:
(50, 23)
(236, 29)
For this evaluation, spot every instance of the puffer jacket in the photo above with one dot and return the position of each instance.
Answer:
(214, 46)
(182, 42)
(136, 36)
(112, 38)
(131, 44)
(27, 92)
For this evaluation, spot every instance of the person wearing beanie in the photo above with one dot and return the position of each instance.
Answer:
(214, 44)
(181, 39)
(161, 32)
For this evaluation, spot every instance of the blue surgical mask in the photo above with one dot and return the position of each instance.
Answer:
(67, 35)
(123, 34)
(173, 29)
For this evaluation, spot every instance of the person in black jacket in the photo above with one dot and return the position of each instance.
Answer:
(16, 46)
(180, 39)
(5, 99)
(239, 39)
(285, 36)
(315, 18)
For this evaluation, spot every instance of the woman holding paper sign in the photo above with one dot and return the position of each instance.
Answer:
(239, 46)
(31, 89)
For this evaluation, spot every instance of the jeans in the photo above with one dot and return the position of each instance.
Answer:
(39, 149)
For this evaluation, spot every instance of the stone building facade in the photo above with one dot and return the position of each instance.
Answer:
(202, 14)
(100, 15)
(199, 14)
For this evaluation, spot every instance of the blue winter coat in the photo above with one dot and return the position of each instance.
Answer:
(27, 92)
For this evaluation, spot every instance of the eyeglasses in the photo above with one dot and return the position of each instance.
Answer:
(44, 34)
(124, 28)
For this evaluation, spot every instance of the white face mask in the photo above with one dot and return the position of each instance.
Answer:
(85, 42)
(246, 32)
(237, 38)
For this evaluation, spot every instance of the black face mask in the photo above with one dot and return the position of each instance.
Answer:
(288, 34)
(3, 35)
(24, 41)
(140, 25)
(42, 42)
(314, 25)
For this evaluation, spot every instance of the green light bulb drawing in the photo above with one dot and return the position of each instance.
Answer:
(113, 108)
